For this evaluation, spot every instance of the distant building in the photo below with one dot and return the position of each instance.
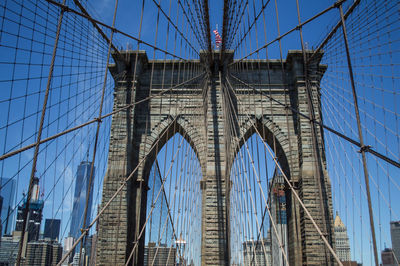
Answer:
(8, 250)
(34, 214)
(388, 257)
(43, 253)
(92, 260)
(81, 189)
(7, 191)
(76, 260)
(257, 252)
(52, 229)
(277, 205)
(180, 246)
(342, 240)
(161, 255)
(1, 206)
(68, 242)
(395, 235)
(351, 263)
(88, 249)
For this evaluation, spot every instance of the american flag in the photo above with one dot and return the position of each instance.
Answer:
(218, 39)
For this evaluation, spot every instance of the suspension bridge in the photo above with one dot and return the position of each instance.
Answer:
(134, 133)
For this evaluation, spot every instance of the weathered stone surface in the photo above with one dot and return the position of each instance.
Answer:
(200, 114)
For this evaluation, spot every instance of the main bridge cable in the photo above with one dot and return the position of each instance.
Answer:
(66, 8)
(100, 31)
(291, 187)
(360, 135)
(334, 110)
(39, 136)
(332, 94)
(89, 189)
(29, 64)
(352, 167)
(343, 136)
(333, 31)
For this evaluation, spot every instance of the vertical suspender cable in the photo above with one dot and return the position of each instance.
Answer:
(97, 135)
(363, 147)
(39, 136)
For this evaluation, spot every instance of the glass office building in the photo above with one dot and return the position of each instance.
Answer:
(7, 191)
(81, 189)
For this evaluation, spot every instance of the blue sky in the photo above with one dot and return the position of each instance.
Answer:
(78, 77)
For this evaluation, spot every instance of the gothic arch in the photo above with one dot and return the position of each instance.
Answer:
(270, 132)
(163, 132)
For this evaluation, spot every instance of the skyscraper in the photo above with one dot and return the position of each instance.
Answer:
(43, 253)
(78, 209)
(257, 252)
(1, 206)
(278, 212)
(52, 229)
(34, 214)
(387, 257)
(160, 255)
(8, 250)
(342, 239)
(7, 191)
(395, 235)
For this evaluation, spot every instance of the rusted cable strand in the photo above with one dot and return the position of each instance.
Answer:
(366, 147)
(7, 155)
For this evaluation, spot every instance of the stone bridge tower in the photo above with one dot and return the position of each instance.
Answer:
(197, 110)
